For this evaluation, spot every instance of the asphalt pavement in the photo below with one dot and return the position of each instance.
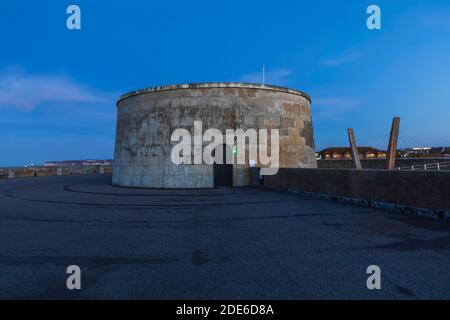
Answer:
(224, 243)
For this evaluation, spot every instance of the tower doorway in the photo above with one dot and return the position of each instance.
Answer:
(223, 172)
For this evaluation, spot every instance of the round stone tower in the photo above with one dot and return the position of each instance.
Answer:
(147, 118)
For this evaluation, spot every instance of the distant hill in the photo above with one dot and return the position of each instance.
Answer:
(86, 162)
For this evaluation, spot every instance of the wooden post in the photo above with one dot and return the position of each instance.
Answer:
(355, 153)
(392, 147)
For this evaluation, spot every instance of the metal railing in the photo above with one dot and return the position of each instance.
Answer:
(437, 166)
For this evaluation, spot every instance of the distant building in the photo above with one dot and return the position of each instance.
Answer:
(416, 151)
(424, 152)
(445, 152)
(345, 153)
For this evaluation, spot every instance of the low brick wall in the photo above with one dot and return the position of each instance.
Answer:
(428, 190)
(10, 173)
(380, 163)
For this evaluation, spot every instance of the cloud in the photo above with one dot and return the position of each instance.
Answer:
(334, 107)
(341, 60)
(276, 77)
(25, 91)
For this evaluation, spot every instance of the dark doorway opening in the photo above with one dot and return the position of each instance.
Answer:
(223, 172)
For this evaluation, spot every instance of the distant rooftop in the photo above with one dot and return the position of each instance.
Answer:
(348, 149)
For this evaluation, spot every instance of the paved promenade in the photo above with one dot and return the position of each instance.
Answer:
(221, 243)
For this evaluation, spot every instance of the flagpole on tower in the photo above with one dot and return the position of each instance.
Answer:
(263, 74)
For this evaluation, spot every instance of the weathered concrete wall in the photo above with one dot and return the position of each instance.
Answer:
(430, 190)
(21, 172)
(147, 118)
(379, 163)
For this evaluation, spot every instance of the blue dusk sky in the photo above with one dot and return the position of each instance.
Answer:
(58, 88)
